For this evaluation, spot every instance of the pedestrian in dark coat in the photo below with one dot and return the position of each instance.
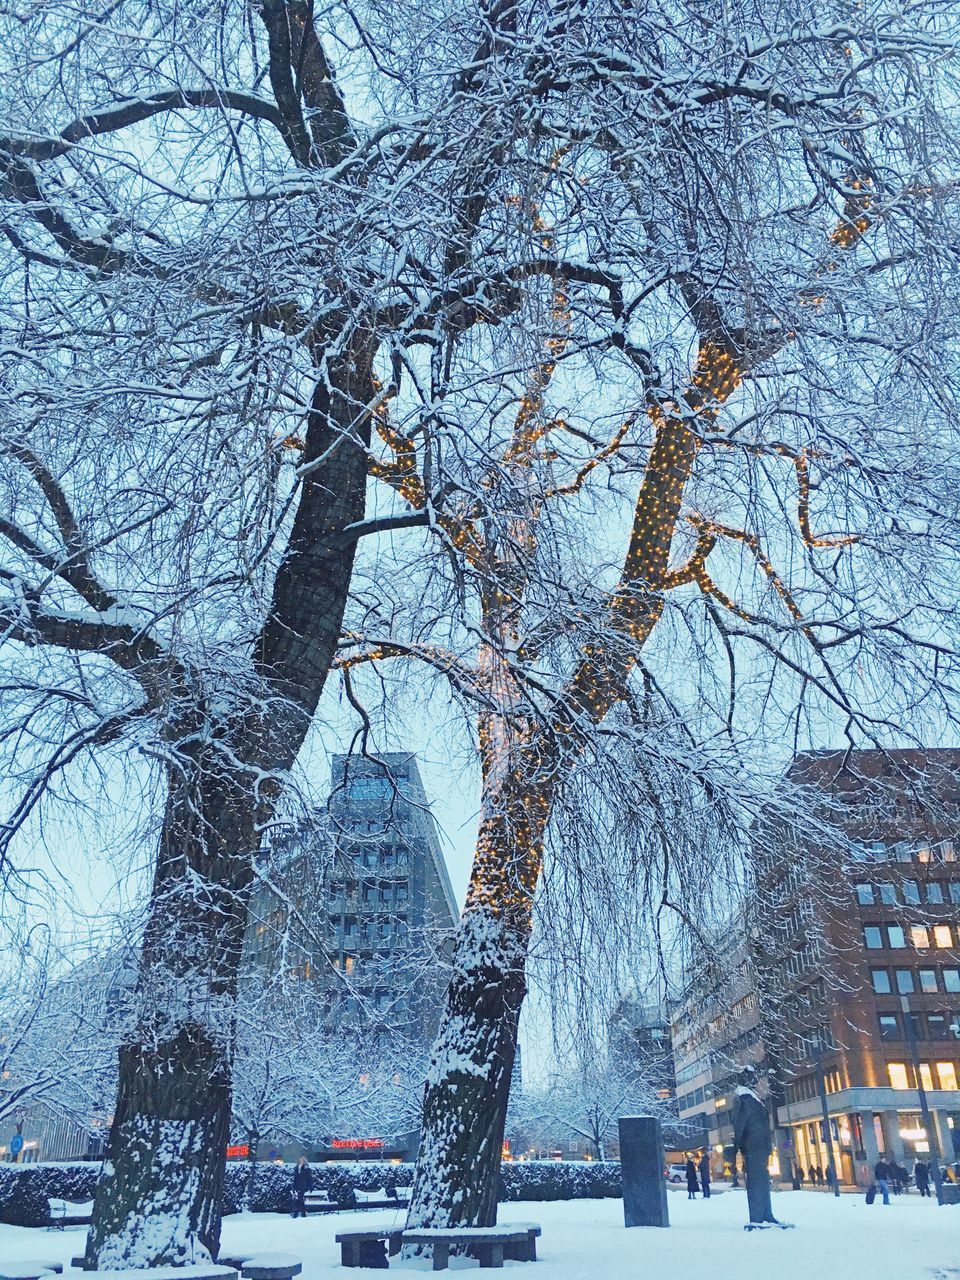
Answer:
(819, 1172)
(705, 1175)
(302, 1183)
(693, 1186)
(921, 1174)
(881, 1172)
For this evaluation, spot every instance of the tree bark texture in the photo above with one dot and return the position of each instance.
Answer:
(159, 1199)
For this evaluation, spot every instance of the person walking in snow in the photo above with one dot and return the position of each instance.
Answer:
(302, 1183)
(705, 1175)
(921, 1175)
(881, 1172)
(693, 1186)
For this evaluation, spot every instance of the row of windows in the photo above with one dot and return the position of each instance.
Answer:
(934, 1075)
(922, 936)
(907, 981)
(923, 1026)
(902, 851)
(891, 892)
(391, 891)
(808, 1086)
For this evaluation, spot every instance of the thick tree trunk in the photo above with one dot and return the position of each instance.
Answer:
(159, 1198)
(468, 1087)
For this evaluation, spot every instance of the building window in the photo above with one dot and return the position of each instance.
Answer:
(872, 937)
(955, 891)
(897, 1075)
(911, 892)
(928, 980)
(896, 936)
(935, 891)
(947, 1071)
(926, 1076)
(951, 979)
(889, 1026)
(942, 936)
(919, 937)
(865, 894)
(947, 851)
(881, 981)
(936, 1026)
(888, 894)
(924, 853)
(904, 981)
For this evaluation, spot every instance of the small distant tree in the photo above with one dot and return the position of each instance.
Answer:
(586, 1103)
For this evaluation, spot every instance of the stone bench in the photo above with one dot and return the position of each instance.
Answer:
(489, 1245)
(271, 1266)
(368, 1248)
(29, 1269)
(195, 1271)
(319, 1202)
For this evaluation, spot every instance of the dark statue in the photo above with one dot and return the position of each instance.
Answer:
(751, 1136)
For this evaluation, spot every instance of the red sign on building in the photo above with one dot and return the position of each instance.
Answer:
(237, 1149)
(357, 1144)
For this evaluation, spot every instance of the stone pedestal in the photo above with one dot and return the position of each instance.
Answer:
(641, 1165)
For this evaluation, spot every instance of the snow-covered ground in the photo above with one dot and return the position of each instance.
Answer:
(585, 1240)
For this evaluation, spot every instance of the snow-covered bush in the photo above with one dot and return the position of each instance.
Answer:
(26, 1189)
(559, 1180)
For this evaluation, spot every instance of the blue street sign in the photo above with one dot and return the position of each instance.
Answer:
(16, 1144)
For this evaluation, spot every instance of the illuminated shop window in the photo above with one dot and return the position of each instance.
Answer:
(897, 1074)
(947, 1071)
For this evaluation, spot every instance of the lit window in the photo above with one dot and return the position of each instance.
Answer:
(348, 964)
(889, 1027)
(926, 1075)
(919, 937)
(888, 894)
(897, 1073)
(947, 1071)
(911, 892)
(928, 980)
(865, 894)
(904, 981)
(924, 853)
(881, 981)
(896, 936)
(872, 937)
(942, 936)
(951, 979)
(947, 851)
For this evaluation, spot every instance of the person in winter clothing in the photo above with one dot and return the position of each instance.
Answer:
(705, 1175)
(302, 1183)
(693, 1186)
(801, 1174)
(921, 1175)
(881, 1171)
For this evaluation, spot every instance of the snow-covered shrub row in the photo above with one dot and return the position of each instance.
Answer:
(25, 1189)
(559, 1180)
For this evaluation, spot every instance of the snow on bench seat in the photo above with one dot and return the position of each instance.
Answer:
(271, 1266)
(27, 1270)
(196, 1271)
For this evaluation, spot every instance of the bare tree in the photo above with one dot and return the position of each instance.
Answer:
(221, 254)
(737, 369)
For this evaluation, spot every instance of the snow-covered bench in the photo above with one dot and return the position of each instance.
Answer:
(489, 1245)
(69, 1213)
(380, 1198)
(319, 1200)
(29, 1269)
(368, 1248)
(271, 1266)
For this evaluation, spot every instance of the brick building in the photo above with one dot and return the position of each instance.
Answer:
(858, 961)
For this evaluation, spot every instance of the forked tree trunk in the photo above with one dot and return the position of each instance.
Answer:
(159, 1198)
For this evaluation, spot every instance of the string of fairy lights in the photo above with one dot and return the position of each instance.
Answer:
(516, 755)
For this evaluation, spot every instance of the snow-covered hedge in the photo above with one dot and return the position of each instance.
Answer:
(559, 1180)
(25, 1189)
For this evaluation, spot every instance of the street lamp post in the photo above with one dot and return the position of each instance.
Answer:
(931, 1133)
(832, 1176)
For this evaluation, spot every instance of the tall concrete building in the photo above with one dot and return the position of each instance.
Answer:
(638, 1036)
(362, 908)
